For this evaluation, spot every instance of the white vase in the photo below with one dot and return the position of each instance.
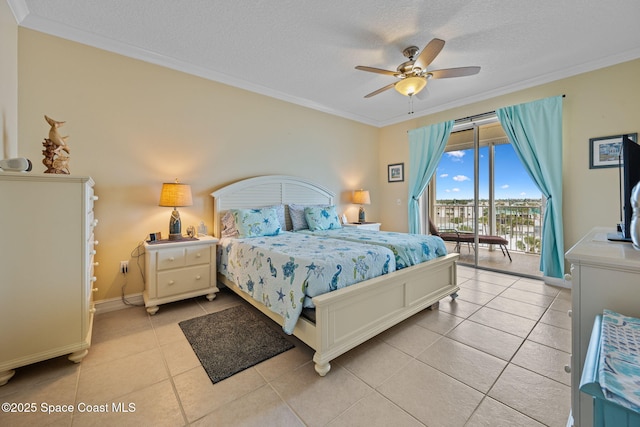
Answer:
(635, 216)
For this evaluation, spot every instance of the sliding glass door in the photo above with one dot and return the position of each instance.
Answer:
(480, 189)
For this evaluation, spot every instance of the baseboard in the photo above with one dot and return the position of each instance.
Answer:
(113, 304)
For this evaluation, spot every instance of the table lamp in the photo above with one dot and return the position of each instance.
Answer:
(175, 195)
(361, 197)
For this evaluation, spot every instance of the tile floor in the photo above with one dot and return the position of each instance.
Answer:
(494, 357)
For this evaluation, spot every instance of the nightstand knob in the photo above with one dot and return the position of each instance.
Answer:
(198, 255)
(171, 282)
(95, 289)
(198, 277)
(172, 259)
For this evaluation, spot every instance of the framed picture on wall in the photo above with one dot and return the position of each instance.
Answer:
(604, 152)
(396, 172)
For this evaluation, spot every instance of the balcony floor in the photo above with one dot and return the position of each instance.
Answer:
(523, 264)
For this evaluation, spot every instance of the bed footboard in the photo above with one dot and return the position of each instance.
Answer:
(347, 317)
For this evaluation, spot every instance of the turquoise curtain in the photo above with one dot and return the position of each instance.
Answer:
(426, 146)
(535, 131)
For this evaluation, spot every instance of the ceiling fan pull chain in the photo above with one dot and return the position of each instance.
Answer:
(410, 104)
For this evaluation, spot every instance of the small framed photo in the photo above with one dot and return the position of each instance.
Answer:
(396, 172)
(605, 152)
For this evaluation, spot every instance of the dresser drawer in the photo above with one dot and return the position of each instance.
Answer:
(198, 255)
(183, 280)
(171, 258)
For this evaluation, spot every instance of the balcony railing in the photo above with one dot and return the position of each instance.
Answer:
(518, 221)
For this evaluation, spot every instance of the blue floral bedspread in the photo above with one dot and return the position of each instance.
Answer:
(409, 249)
(285, 271)
(619, 374)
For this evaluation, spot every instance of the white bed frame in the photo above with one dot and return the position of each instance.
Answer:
(347, 317)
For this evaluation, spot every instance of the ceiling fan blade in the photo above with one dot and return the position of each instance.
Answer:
(429, 53)
(454, 72)
(382, 89)
(377, 70)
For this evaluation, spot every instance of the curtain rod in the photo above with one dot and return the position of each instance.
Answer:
(469, 119)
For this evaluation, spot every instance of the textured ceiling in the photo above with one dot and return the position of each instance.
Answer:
(305, 51)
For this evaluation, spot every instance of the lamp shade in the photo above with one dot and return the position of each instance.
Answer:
(175, 194)
(361, 197)
(410, 85)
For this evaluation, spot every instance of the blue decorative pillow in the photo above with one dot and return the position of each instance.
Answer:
(322, 218)
(256, 222)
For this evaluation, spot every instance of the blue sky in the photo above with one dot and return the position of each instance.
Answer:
(455, 175)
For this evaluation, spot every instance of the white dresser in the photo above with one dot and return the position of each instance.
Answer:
(47, 249)
(604, 274)
(176, 270)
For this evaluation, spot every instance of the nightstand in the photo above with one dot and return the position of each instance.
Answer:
(176, 270)
(375, 226)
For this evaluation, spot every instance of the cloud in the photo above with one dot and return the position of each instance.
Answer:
(455, 190)
(523, 194)
(455, 156)
(444, 175)
(504, 187)
(460, 178)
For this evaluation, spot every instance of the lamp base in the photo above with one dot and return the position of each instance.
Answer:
(175, 226)
(361, 215)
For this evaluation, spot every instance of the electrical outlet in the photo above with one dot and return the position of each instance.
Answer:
(124, 267)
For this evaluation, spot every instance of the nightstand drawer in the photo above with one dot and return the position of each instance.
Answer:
(171, 258)
(183, 280)
(199, 255)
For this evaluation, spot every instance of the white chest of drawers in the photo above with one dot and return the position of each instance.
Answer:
(604, 274)
(47, 268)
(179, 270)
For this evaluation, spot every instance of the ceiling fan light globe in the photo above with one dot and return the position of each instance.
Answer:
(411, 85)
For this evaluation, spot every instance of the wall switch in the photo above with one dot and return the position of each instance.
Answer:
(124, 267)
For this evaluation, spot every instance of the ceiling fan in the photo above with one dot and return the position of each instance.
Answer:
(413, 74)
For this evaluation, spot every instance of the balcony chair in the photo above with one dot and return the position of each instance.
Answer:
(453, 235)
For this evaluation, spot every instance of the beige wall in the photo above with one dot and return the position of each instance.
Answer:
(133, 125)
(599, 103)
(8, 83)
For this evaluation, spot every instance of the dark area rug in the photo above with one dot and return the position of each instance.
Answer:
(233, 340)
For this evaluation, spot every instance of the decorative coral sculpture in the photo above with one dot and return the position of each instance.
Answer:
(54, 159)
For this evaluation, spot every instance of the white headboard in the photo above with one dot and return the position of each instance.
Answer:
(266, 191)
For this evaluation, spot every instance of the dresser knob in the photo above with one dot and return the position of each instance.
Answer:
(567, 369)
(171, 282)
(198, 277)
(172, 259)
(198, 255)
